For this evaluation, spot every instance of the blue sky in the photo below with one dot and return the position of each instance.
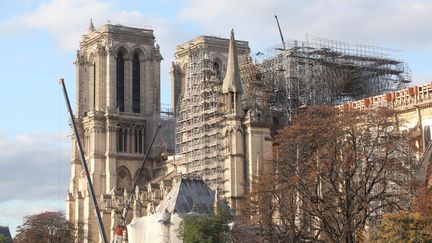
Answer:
(39, 40)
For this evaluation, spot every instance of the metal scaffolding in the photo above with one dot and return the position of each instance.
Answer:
(321, 71)
(199, 120)
(279, 81)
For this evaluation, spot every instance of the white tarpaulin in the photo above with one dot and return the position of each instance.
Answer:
(152, 229)
(189, 197)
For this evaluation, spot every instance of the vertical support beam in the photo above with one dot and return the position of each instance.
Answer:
(84, 164)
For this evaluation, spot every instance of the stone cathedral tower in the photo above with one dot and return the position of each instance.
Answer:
(246, 135)
(233, 131)
(218, 138)
(117, 111)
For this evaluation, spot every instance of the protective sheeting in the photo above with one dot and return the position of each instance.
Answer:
(155, 228)
(190, 197)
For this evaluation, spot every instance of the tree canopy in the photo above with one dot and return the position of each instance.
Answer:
(204, 229)
(408, 226)
(5, 239)
(334, 172)
(46, 227)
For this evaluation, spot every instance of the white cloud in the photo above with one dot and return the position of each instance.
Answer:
(391, 23)
(402, 24)
(68, 20)
(34, 166)
(34, 175)
(65, 20)
(14, 211)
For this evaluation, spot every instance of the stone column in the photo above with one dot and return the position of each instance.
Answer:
(90, 85)
(148, 87)
(80, 92)
(110, 155)
(156, 86)
(111, 92)
(143, 82)
(101, 80)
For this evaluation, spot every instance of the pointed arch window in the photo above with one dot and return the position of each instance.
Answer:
(140, 141)
(124, 179)
(120, 140)
(136, 84)
(120, 81)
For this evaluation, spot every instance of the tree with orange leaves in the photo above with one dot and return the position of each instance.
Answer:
(334, 173)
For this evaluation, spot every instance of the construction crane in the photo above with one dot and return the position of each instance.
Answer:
(280, 32)
(126, 208)
(289, 91)
(84, 165)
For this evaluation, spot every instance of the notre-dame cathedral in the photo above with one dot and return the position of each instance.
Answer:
(118, 111)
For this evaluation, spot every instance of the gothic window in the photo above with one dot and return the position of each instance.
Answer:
(120, 141)
(140, 142)
(239, 141)
(127, 141)
(124, 179)
(135, 136)
(136, 84)
(216, 69)
(232, 101)
(120, 81)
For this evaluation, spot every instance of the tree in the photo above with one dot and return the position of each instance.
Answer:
(335, 172)
(403, 227)
(204, 229)
(422, 203)
(408, 226)
(4, 239)
(46, 227)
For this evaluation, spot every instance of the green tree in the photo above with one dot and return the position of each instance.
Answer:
(407, 226)
(403, 227)
(46, 227)
(4, 239)
(204, 229)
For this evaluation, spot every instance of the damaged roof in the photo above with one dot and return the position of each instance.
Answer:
(186, 194)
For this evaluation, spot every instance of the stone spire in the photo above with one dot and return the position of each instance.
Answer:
(91, 27)
(231, 82)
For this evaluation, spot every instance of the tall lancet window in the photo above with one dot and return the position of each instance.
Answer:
(136, 84)
(120, 81)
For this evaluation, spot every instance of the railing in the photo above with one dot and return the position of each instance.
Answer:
(409, 96)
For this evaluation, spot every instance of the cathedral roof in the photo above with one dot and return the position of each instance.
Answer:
(189, 196)
(232, 82)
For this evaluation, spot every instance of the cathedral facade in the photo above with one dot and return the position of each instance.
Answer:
(117, 112)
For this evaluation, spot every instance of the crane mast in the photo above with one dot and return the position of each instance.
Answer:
(84, 165)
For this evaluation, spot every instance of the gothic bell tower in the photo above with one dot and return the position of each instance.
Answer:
(117, 111)
(233, 132)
